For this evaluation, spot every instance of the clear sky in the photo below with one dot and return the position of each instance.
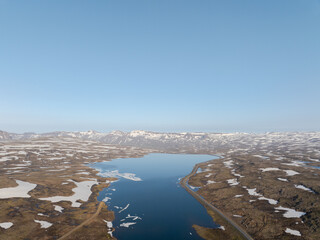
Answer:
(160, 65)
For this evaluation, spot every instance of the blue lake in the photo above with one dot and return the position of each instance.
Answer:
(147, 199)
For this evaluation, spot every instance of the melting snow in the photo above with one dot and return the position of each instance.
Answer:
(85, 173)
(19, 191)
(210, 182)
(290, 213)
(269, 169)
(222, 228)
(303, 188)
(293, 232)
(233, 182)
(253, 192)
(43, 215)
(44, 224)
(228, 164)
(283, 179)
(109, 225)
(291, 172)
(58, 208)
(6, 225)
(294, 163)
(237, 196)
(271, 201)
(81, 192)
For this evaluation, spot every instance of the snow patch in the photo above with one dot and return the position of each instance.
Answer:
(81, 192)
(270, 200)
(233, 182)
(6, 225)
(58, 208)
(293, 232)
(210, 182)
(290, 213)
(303, 188)
(20, 191)
(269, 169)
(44, 224)
(290, 172)
(237, 196)
(283, 179)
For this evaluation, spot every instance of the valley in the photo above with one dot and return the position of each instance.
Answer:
(268, 184)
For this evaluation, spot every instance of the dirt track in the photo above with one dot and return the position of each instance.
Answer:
(184, 184)
(86, 222)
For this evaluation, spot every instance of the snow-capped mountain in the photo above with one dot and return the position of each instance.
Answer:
(184, 141)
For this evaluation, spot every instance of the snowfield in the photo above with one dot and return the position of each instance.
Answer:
(81, 192)
(20, 191)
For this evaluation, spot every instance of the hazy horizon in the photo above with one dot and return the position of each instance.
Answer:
(225, 132)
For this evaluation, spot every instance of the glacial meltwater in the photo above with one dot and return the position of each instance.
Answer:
(148, 201)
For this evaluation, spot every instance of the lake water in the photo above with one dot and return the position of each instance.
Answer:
(147, 199)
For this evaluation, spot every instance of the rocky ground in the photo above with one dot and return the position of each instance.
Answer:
(267, 183)
(47, 189)
(271, 194)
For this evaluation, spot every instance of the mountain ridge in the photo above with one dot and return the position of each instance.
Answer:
(180, 141)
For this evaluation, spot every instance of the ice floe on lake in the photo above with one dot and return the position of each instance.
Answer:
(124, 208)
(117, 174)
(19, 191)
(128, 224)
(134, 218)
(106, 199)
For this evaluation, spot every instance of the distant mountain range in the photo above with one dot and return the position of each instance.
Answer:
(183, 141)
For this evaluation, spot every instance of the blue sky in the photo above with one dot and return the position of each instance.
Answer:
(169, 65)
